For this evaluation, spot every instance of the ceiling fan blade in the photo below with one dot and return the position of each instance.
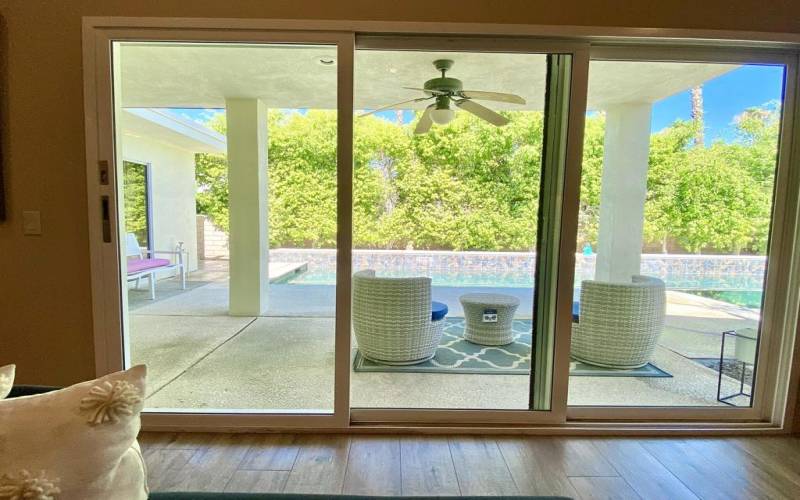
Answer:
(482, 112)
(425, 122)
(391, 106)
(427, 91)
(493, 96)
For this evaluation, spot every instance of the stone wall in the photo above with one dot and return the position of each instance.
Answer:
(212, 242)
(706, 272)
(687, 272)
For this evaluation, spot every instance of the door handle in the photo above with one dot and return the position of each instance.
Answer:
(106, 218)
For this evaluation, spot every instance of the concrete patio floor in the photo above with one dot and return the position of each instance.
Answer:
(199, 357)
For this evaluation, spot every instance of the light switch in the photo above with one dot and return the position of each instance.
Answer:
(31, 222)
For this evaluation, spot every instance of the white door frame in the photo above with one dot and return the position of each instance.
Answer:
(570, 161)
(110, 352)
(775, 407)
(780, 298)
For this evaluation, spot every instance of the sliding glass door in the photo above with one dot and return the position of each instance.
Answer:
(678, 199)
(237, 195)
(314, 229)
(454, 196)
(459, 159)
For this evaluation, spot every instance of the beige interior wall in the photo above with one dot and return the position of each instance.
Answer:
(45, 292)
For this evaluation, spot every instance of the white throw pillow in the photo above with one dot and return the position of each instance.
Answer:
(76, 443)
(6, 379)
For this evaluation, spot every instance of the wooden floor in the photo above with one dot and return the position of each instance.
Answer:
(584, 468)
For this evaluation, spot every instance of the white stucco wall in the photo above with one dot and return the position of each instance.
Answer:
(172, 192)
(626, 151)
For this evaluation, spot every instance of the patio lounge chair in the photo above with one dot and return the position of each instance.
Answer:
(393, 320)
(620, 323)
(142, 263)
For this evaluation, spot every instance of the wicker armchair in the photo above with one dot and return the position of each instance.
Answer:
(620, 323)
(392, 319)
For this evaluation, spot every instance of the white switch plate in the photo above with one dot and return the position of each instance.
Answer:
(31, 222)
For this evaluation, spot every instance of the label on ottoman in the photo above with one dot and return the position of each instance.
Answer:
(490, 315)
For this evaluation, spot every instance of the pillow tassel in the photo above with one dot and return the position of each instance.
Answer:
(26, 486)
(109, 402)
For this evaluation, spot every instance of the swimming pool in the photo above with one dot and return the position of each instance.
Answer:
(509, 280)
(737, 279)
(750, 299)
(739, 290)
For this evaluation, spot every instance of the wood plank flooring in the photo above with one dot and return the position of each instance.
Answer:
(576, 467)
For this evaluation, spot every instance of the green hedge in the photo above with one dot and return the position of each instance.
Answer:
(472, 186)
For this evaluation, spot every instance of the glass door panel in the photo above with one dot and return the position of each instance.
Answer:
(138, 219)
(241, 140)
(676, 205)
(446, 211)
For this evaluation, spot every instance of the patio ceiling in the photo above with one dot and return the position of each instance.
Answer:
(169, 129)
(203, 75)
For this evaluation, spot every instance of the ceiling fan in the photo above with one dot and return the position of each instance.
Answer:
(446, 91)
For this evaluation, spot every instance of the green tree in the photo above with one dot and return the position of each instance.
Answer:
(715, 203)
(669, 150)
(724, 195)
(472, 186)
(381, 149)
(715, 198)
(211, 177)
(135, 200)
(302, 180)
(591, 175)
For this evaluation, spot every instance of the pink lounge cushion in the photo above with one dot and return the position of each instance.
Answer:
(139, 265)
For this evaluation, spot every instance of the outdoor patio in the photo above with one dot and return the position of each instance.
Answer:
(201, 357)
(241, 337)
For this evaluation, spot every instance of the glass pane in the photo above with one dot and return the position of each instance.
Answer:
(137, 201)
(676, 201)
(240, 143)
(445, 215)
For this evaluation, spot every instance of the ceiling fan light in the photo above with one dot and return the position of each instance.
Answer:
(442, 116)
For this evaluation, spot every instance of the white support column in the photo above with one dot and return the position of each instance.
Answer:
(247, 194)
(623, 191)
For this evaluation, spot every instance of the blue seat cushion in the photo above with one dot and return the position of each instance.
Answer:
(438, 310)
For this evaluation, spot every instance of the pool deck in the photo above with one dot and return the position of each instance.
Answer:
(200, 357)
(282, 270)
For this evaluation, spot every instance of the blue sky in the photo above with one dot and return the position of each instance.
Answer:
(724, 98)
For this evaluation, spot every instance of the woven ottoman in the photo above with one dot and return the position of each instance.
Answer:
(488, 317)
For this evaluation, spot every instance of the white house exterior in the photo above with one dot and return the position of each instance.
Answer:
(168, 144)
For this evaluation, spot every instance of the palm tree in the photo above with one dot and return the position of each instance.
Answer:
(697, 115)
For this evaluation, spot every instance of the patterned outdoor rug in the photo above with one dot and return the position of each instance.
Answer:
(456, 355)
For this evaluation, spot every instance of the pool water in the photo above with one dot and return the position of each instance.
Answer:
(739, 290)
(750, 299)
(509, 280)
